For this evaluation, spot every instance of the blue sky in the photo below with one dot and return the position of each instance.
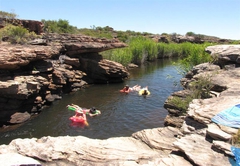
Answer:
(220, 18)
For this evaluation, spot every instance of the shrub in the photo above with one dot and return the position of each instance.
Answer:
(181, 103)
(60, 26)
(16, 34)
(236, 139)
(201, 88)
(7, 15)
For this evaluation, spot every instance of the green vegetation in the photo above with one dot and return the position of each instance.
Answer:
(181, 103)
(236, 139)
(16, 34)
(7, 15)
(192, 55)
(199, 89)
(141, 49)
(60, 26)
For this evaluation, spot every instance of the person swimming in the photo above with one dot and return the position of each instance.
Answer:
(126, 89)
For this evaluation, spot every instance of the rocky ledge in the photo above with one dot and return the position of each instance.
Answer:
(195, 139)
(32, 76)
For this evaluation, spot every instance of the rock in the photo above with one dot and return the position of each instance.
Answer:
(131, 65)
(203, 110)
(17, 159)
(223, 146)
(173, 121)
(173, 160)
(225, 54)
(204, 155)
(216, 133)
(19, 117)
(104, 71)
(14, 56)
(73, 150)
(159, 138)
(31, 25)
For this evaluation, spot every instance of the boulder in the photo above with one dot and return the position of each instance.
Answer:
(225, 54)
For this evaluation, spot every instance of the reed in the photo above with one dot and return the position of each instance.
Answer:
(141, 49)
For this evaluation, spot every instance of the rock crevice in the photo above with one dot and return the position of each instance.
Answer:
(195, 139)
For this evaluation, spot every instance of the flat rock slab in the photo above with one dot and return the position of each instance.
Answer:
(199, 151)
(15, 159)
(203, 110)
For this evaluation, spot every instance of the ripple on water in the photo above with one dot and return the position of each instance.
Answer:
(122, 114)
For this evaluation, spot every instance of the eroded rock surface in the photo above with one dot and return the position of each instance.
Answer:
(195, 140)
(48, 68)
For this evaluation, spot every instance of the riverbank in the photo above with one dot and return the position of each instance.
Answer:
(197, 141)
(34, 75)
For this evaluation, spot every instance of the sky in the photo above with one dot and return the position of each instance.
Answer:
(219, 18)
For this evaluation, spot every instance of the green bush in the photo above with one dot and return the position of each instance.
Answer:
(16, 34)
(60, 26)
(181, 103)
(145, 49)
(236, 139)
(201, 87)
(139, 50)
(7, 15)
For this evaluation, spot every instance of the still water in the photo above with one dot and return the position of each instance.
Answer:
(122, 114)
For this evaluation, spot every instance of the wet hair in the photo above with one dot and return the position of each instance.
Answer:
(93, 110)
(145, 92)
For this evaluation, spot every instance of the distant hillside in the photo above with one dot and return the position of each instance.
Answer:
(63, 26)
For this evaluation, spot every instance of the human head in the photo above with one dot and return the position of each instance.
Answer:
(145, 92)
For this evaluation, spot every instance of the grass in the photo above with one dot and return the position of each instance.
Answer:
(141, 49)
(236, 139)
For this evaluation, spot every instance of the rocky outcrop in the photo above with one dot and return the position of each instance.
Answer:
(33, 76)
(199, 39)
(225, 55)
(195, 140)
(31, 25)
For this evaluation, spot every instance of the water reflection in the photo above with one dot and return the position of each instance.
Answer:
(122, 114)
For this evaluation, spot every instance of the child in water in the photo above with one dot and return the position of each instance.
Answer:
(126, 89)
(94, 112)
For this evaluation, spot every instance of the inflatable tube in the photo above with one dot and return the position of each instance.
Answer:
(98, 112)
(78, 119)
(141, 92)
(71, 108)
(125, 91)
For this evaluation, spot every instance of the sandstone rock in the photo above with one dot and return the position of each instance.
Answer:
(173, 121)
(159, 138)
(17, 159)
(223, 146)
(15, 56)
(216, 133)
(204, 155)
(91, 152)
(203, 110)
(225, 54)
(173, 160)
(19, 117)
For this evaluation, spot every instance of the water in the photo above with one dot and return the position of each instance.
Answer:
(122, 114)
